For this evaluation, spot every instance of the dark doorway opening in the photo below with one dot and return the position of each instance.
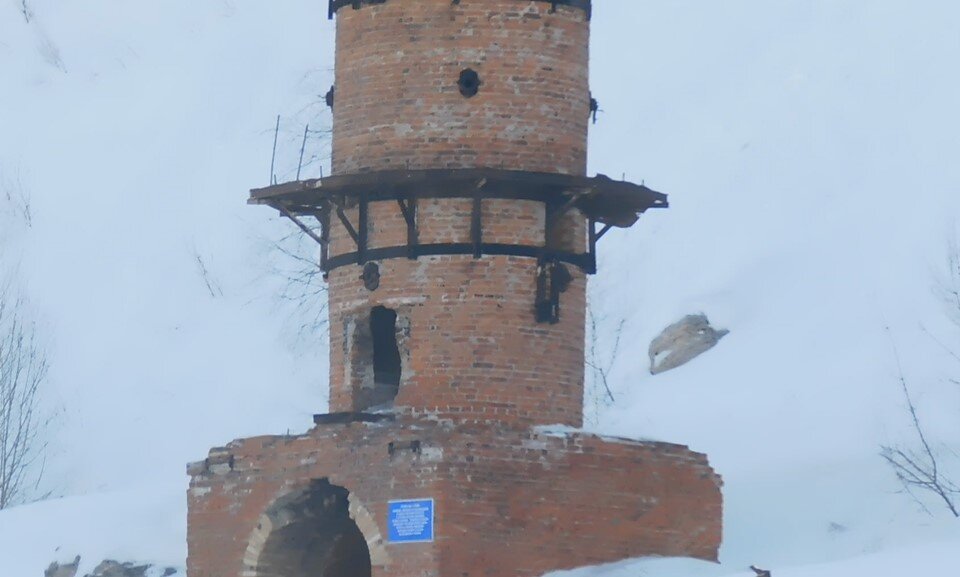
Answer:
(386, 351)
(314, 536)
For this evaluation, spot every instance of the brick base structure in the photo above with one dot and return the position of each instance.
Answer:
(508, 502)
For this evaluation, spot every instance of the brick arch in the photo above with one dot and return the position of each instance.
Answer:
(264, 555)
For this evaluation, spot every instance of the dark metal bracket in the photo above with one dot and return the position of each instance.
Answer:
(476, 227)
(552, 279)
(603, 202)
(323, 239)
(409, 210)
(606, 228)
(364, 229)
(306, 229)
(336, 5)
(323, 217)
(348, 226)
(594, 237)
(594, 107)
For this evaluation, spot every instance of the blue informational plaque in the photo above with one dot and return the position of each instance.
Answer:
(410, 521)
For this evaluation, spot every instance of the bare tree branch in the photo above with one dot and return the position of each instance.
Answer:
(919, 468)
(23, 370)
(941, 344)
(26, 11)
(304, 286)
(601, 359)
(213, 287)
(17, 197)
(953, 276)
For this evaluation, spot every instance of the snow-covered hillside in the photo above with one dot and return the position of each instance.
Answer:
(809, 149)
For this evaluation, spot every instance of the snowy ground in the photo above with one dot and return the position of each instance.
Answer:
(809, 148)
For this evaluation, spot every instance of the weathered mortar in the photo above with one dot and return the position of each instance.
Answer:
(397, 101)
(509, 502)
(476, 352)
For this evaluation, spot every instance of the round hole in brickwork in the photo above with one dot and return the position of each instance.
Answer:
(469, 82)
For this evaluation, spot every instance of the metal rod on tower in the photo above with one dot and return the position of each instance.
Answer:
(273, 158)
(303, 146)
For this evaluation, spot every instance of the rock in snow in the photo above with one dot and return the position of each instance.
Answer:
(683, 341)
(67, 570)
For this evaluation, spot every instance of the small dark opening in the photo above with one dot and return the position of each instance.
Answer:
(386, 352)
(469, 82)
(329, 96)
(371, 276)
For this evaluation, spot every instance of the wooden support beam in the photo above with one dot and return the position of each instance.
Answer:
(606, 228)
(306, 229)
(349, 227)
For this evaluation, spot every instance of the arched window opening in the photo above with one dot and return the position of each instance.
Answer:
(376, 351)
(313, 536)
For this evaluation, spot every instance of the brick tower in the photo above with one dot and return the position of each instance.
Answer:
(456, 233)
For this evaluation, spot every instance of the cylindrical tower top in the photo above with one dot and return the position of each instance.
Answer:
(461, 84)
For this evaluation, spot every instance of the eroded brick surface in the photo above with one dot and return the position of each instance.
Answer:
(508, 502)
(474, 351)
(398, 104)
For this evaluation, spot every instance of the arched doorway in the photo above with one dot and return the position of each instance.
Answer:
(311, 534)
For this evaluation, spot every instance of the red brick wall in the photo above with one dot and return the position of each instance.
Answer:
(509, 503)
(228, 496)
(551, 503)
(397, 100)
(473, 350)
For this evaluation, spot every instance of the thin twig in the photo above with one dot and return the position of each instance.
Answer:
(918, 470)
(940, 344)
(26, 11)
(23, 370)
(304, 285)
(600, 369)
(213, 287)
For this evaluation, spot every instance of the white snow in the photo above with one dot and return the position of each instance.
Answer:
(809, 149)
(145, 525)
(929, 558)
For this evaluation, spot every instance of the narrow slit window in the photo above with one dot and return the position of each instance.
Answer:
(386, 353)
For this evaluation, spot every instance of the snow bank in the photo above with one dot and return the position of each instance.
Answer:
(144, 525)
